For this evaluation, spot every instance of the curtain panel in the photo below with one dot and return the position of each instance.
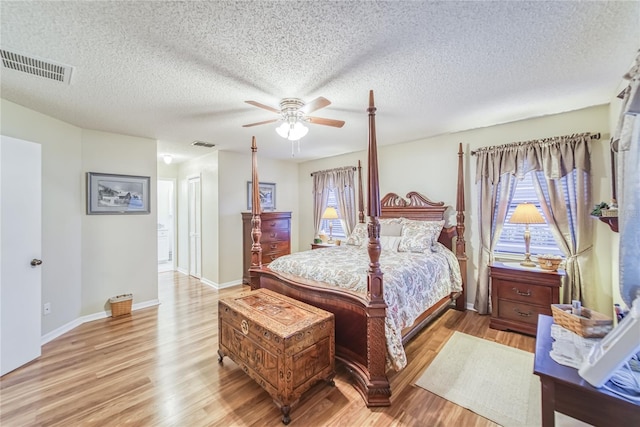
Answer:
(342, 182)
(554, 160)
(627, 141)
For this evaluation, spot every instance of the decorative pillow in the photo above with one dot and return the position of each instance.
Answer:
(359, 235)
(390, 226)
(390, 243)
(418, 236)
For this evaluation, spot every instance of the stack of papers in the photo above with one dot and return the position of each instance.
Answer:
(569, 348)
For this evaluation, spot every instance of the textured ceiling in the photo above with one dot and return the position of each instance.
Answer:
(181, 71)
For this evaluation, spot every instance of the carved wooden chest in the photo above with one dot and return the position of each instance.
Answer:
(285, 345)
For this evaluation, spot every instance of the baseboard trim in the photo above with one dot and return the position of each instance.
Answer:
(89, 318)
(218, 286)
(182, 270)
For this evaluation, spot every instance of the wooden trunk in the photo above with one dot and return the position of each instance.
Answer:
(285, 345)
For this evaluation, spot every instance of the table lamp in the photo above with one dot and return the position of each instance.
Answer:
(330, 213)
(526, 213)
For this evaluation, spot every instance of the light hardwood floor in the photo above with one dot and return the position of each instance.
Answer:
(158, 367)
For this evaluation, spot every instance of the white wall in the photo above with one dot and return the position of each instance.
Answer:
(429, 166)
(119, 252)
(235, 172)
(87, 258)
(62, 207)
(224, 177)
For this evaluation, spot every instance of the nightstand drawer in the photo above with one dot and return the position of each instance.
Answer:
(527, 293)
(520, 312)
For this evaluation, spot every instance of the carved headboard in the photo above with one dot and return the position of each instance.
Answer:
(418, 207)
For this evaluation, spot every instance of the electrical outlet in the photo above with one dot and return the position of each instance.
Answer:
(47, 308)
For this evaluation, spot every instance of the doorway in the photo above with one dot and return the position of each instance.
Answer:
(195, 220)
(166, 225)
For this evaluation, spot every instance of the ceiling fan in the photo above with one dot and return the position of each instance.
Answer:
(293, 113)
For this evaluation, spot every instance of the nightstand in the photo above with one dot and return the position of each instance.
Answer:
(519, 294)
(322, 245)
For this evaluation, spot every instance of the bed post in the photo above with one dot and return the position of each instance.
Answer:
(461, 301)
(256, 222)
(360, 195)
(377, 390)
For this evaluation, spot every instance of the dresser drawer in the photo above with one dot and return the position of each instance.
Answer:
(274, 235)
(274, 224)
(281, 246)
(527, 293)
(520, 312)
(271, 256)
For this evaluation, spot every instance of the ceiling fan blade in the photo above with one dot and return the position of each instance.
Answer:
(326, 122)
(266, 107)
(260, 123)
(314, 105)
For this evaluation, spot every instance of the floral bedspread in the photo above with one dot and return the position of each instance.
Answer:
(413, 282)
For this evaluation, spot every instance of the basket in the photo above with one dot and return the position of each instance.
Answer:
(121, 305)
(549, 263)
(590, 325)
(609, 212)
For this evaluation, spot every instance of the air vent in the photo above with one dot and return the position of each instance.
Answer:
(37, 67)
(203, 144)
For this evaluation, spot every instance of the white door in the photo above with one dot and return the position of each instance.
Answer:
(195, 256)
(20, 246)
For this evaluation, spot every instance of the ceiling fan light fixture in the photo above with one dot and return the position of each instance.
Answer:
(283, 130)
(297, 132)
(168, 158)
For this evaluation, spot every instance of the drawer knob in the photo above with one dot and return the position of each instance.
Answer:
(524, 294)
(519, 313)
(244, 326)
(273, 257)
(274, 246)
(273, 235)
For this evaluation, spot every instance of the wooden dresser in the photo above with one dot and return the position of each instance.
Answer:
(519, 294)
(285, 345)
(275, 240)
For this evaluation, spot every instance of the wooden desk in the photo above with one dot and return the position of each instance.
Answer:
(563, 390)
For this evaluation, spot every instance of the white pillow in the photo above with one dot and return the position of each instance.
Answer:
(418, 236)
(390, 243)
(391, 226)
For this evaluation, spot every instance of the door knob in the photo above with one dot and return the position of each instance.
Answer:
(36, 262)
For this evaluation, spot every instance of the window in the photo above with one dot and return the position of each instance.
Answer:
(338, 229)
(512, 237)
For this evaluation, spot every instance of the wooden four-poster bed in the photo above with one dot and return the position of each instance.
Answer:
(360, 317)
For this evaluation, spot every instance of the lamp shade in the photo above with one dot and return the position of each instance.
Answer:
(168, 158)
(330, 213)
(526, 213)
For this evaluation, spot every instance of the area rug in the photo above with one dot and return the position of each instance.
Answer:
(493, 380)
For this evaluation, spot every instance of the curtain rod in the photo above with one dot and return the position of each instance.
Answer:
(336, 169)
(592, 136)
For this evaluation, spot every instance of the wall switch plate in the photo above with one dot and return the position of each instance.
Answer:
(47, 308)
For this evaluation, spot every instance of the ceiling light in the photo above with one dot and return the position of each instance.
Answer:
(293, 130)
(168, 158)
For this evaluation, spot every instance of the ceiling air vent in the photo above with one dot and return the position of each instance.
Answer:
(37, 67)
(203, 144)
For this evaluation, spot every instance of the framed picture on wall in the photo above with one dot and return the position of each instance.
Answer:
(113, 194)
(267, 195)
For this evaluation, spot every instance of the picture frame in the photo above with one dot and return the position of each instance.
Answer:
(112, 194)
(267, 195)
